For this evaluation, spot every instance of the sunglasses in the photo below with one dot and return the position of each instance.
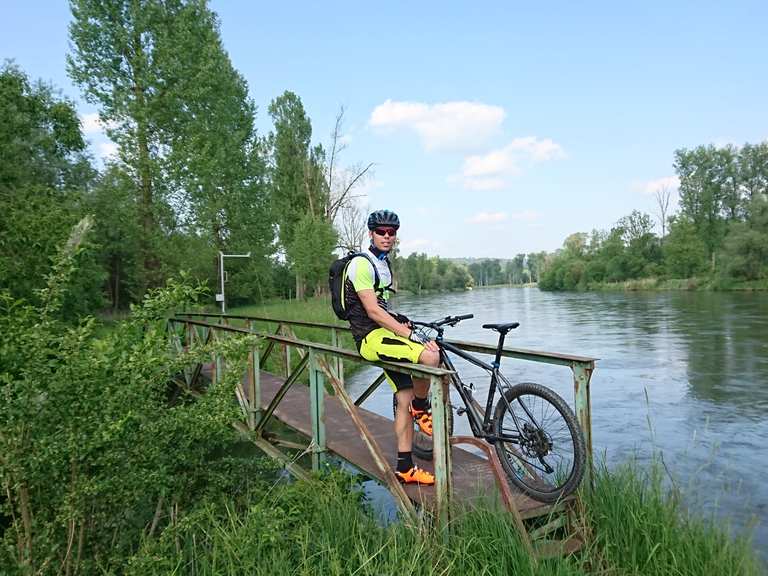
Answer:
(385, 231)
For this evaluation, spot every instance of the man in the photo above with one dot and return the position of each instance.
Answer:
(384, 335)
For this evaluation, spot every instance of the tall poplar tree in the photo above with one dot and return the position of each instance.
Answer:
(180, 113)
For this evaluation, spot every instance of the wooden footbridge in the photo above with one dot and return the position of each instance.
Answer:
(334, 422)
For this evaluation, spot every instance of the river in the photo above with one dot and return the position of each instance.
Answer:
(680, 373)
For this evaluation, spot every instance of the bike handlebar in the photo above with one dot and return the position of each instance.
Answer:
(447, 321)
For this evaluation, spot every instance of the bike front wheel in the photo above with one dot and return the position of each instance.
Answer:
(544, 455)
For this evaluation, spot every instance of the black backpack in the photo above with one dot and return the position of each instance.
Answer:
(337, 275)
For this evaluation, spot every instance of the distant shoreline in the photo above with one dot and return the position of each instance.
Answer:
(701, 284)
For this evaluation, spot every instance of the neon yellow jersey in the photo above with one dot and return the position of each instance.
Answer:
(360, 276)
(361, 273)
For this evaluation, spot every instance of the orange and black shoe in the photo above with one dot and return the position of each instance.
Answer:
(423, 418)
(415, 476)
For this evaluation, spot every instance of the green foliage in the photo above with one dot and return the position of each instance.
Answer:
(312, 249)
(290, 150)
(43, 177)
(630, 250)
(685, 253)
(720, 230)
(322, 528)
(189, 154)
(91, 451)
(640, 526)
(634, 526)
(745, 252)
(40, 139)
(418, 273)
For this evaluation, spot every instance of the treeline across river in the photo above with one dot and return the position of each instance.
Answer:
(718, 237)
(419, 273)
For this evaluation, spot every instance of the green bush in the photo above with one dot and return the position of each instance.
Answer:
(92, 453)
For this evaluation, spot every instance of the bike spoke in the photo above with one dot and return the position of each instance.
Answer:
(536, 420)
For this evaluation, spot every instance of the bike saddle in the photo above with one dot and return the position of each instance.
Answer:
(503, 328)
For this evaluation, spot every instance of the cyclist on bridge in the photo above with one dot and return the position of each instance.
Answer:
(384, 335)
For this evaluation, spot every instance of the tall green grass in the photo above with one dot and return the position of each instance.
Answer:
(639, 526)
(325, 528)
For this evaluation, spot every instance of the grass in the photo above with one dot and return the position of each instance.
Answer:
(310, 310)
(672, 284)
(325, 528)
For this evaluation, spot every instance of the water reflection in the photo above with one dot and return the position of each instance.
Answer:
(681, 372)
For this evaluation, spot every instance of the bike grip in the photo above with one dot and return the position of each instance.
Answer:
(465, 317)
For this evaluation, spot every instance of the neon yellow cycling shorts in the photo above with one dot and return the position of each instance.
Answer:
(383, 344)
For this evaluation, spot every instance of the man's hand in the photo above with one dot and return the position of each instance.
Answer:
(418, 337)
(432, 346)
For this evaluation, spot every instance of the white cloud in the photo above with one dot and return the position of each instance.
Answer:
(487, 217)
(653, 186)
(495, 217)
(457, 125)
(409, 246)
(490, 171)
(107, 150)
(92, 124)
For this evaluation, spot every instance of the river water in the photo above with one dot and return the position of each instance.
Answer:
(684, 374)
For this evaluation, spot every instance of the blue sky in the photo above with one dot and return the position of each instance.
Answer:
(496, 128)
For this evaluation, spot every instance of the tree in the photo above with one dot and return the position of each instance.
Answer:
(708, 193)
(753, 172)
(44, 175)
(685, 252)
(296, 172)
(112, 202)
(342, 182)
(352, 226)
(663, 196)
(313, 243)
(745, 251)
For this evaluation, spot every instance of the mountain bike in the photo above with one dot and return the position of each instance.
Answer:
(534, 431)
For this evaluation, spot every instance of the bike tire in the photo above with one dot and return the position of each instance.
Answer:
(521, 460)
(422, 444)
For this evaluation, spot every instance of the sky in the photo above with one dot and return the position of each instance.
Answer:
(495, 128)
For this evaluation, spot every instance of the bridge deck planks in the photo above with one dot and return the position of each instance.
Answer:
(472, 476)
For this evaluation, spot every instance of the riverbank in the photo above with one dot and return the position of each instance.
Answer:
(674, 284)
(325, 527)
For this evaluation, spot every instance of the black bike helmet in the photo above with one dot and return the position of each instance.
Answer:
(383, 218)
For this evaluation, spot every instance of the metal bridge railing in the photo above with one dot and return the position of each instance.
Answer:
(581, 367)
(325, 362)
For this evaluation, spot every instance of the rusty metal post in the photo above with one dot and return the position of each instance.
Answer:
(339, 359)
(387, 473)
(254, 387)
(582, 373)
(286, 351)
(442, 450)
(220, 364)
(317, 411)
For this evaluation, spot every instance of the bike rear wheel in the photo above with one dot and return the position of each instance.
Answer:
(548, 462)
(422, 443)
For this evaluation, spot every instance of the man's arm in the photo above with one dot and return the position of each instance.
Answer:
(381, 316)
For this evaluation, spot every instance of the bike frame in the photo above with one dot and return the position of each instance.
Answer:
(480, 422)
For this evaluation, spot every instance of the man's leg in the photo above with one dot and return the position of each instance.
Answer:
(403, 420)
(421, 385)
(382, 344)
